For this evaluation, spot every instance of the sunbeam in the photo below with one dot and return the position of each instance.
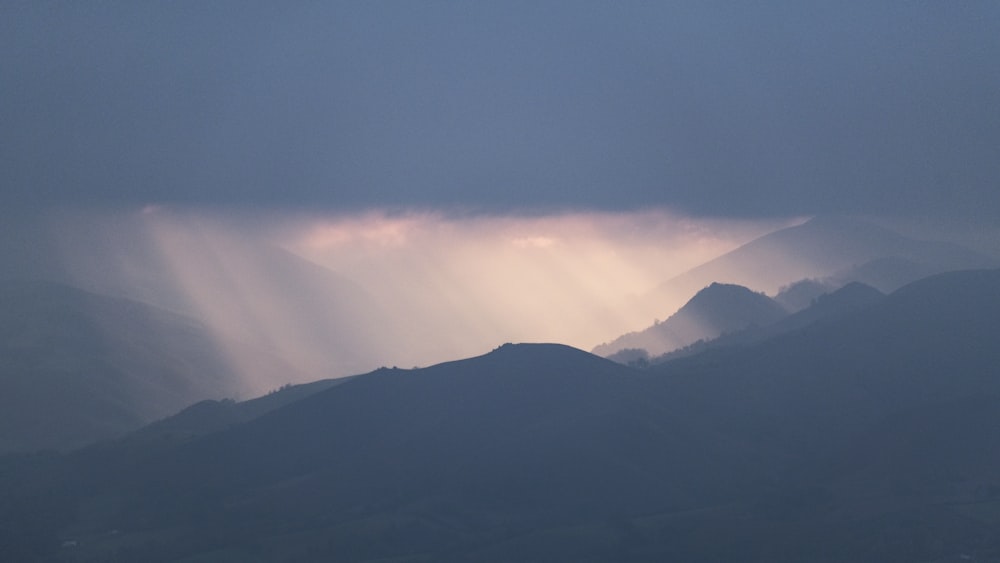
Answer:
(293, 296)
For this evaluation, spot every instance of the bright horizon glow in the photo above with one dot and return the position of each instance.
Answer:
(393, 288)
(574, 278)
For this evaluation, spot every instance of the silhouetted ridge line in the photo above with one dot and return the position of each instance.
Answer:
(716, 309)
(835, 248)
(867, 437)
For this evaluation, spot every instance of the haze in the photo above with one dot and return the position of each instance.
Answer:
(472, 173)
(443, 285)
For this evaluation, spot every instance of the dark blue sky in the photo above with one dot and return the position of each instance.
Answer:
(732, 109)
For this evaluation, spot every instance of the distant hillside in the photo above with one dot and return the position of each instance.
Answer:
(801, 294)
(76, 367)
(848, 300)
(868, 437)
(715, 310)
(252, 296)
(932, 340)
(852, 298)
(211, 415)
(843, 248)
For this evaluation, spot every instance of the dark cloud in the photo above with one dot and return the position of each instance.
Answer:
(726, 109)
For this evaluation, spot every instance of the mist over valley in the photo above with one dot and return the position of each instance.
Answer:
(499, 282)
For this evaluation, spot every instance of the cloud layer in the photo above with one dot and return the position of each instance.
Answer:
(772, 109)
(332, 295)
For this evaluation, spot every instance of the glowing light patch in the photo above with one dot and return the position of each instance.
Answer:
(293, 296)
(570, 277)
(533, 242)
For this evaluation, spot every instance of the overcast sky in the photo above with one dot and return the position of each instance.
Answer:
(737, 109)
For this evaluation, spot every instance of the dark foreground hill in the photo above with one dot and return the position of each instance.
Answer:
(871, 437)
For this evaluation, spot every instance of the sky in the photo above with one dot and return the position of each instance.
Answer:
(715, 109)
(481, 172)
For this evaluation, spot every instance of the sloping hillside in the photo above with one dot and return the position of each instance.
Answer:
(76, 367)
(848, 440)
(715, 310)
(845, 248)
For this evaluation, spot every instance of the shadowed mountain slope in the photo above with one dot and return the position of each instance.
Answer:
(252, 295)
(801, 294)
(208, 416)
(825, 247)
(76, 367)
(489, 431)
(848, 300)
(716, 309)
(788, 450)
(935, 339)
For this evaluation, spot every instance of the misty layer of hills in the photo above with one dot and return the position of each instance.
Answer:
(715, 310)
(749, 318)
(78, 367)
(256, 301)
(850, 417)
(838, 249)
(798, 265)
(870, 436)
(170, 316)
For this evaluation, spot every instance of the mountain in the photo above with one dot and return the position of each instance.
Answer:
(891, 272)
(716, 309)
(868, 437)
(845, 248)
(394, 463)
(76, 367)
(251, 295)
(213, 415)
(801, 294)
(850, 299)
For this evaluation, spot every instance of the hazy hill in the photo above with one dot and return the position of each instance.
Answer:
(842, 247)
(848, 300)
(716, 309)
(250, 294)
(801, 294)
(76, 366)
(895, 405)
(316, 319)
(851, 298)
(863, 438)
(401, 462)
(213, 415)
(892, 272)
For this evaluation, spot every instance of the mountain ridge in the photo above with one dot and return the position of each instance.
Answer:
(823, 247)
(547, 453)
(715, 310)
(79, 367)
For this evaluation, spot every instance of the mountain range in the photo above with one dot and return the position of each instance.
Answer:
(715, 310)
(867, 437)
(796, 265)
(825, 308)
(840, 249)
(78, 367)
(255, 300)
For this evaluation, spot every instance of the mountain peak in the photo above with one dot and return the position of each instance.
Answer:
(531, 347)
(718, 303)
(536, 352)
(716, 309)
(838, 221)
(821, 248)
(717, 289)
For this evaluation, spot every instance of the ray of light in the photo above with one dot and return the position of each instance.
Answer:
(293, 296)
